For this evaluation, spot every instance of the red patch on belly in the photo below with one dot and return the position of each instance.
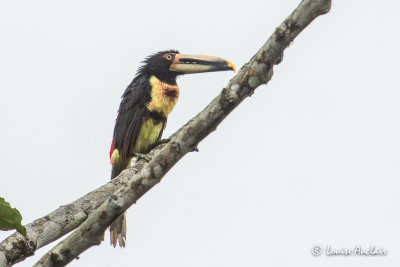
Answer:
(171, 93)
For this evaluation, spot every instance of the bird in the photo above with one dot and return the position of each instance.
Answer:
(144, 108)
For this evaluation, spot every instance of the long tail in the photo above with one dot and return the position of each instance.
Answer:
(118, 227)
(118, 231)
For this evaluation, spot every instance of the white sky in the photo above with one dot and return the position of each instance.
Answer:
(311, 158)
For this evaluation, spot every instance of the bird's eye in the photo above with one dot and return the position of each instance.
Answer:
(169, 57)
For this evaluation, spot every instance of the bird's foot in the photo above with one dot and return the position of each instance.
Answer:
(140, 156)
(162, 141)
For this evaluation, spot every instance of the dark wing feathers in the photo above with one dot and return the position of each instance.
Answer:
(131, 114)
(162, 130)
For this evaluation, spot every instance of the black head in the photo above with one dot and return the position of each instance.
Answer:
(159, 65)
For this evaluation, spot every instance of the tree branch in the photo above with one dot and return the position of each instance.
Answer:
(258, 71)
(60, 222)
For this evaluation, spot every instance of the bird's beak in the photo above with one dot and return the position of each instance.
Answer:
(200, 63)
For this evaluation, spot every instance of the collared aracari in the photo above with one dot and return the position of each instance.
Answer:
(144, 109)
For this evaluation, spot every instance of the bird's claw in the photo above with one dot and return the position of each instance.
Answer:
(162, 141)
(140, 156)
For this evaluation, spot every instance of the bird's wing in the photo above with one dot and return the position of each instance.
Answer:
(162, 130)
(131, 114)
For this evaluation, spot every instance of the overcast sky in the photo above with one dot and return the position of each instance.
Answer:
(310, 158)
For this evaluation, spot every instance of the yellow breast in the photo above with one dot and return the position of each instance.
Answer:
(148, 135)
(163, 96)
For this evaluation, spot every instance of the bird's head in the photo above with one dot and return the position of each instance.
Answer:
(167, 65)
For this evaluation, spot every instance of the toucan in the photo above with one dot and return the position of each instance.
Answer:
(144, 109)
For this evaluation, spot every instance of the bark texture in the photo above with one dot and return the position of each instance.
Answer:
(98, 209)
(58, 223)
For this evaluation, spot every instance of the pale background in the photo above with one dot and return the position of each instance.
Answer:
(313, 157)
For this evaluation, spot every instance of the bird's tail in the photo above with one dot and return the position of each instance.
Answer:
(118, 227)
(118, 231)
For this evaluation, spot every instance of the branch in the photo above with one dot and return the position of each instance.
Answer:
(60, 222)
(258, 71)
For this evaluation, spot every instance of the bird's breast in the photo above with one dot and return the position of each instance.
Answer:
(163, 96)
(148, 135)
